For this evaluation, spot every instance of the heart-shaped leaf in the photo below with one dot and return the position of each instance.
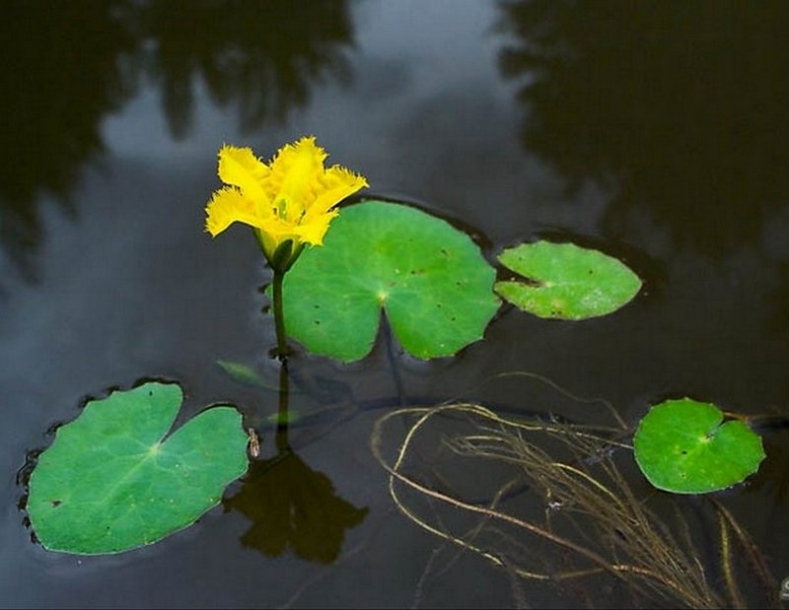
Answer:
(566, 281)
(111, 482)
(429, 278)
(683, 446)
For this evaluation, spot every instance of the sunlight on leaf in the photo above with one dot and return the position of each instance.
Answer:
(566, 281)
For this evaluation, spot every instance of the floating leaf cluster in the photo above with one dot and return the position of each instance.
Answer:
(116, 478)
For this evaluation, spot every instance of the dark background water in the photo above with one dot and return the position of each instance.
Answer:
(656, 131)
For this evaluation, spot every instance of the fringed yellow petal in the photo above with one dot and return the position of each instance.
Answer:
(313, 232)
(240, 167)
(291, 198)
(336, 184)
(227, 206)
(296, 166)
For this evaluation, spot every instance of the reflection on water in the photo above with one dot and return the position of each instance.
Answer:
(676, 111)
(259, 57)
(672, 118)
(64, 69)
(71, 64)
(291, 506)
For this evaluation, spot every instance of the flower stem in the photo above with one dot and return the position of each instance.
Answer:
(279, 317)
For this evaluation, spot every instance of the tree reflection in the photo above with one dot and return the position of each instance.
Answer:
(262, 56)
(676, 109)
(66, 65)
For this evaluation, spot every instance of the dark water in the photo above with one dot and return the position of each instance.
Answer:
(656, 131)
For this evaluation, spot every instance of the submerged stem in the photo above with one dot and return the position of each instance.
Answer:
(283, 446)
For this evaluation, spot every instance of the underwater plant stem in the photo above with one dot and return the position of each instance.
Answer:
(390, 356)
(283, 446)
(279, 316)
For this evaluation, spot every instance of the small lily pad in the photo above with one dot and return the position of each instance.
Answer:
(684, 446)
(243, 373)
(566, 281)
(428, 277)
(111, 481)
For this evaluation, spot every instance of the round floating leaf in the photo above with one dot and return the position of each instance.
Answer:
(566, 281)
(429, 278)
(683, 446)
(111, 482)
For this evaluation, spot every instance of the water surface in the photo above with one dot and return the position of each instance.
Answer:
(655, 132)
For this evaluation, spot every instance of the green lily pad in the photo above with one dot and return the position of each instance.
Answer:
(566, 281)
(685, 447)
(111, 482)
(429, 278)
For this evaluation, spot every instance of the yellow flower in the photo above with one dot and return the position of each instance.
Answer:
(289, 199)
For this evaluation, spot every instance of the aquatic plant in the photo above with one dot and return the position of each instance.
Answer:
(566, 281)
(437, 293)
(551, 505)
(115, 478)
(429, 278)
(684, 446)
(289, 203)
